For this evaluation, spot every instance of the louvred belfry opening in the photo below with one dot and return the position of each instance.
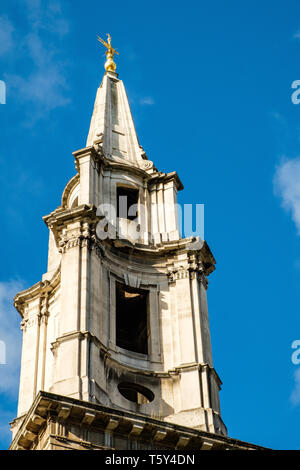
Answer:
(127, 201)
(132, 319)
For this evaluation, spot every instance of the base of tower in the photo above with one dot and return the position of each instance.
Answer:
(55, 422)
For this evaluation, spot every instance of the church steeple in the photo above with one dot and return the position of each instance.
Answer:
(118, 323)
(112, 125)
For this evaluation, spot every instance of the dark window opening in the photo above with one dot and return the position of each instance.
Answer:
(126, 198)
(136, 393)
(131, 318)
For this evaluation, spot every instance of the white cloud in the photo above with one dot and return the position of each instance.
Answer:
(295, 396)
(147, 101)
(10, 334)
(47, 15)
(287, 186)
(6, 35)
(45, 83)
(44, 87)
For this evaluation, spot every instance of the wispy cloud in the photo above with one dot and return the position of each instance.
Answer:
(6, 35)
(44, 84)
(287, 187)
(297, 34)
(47, 15)
(10, 334)
(45, 87)
(147, 101)
(295, 395)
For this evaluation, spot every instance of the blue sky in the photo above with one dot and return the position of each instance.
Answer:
(210, 89)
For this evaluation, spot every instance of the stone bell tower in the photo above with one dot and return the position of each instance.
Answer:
(117, 331)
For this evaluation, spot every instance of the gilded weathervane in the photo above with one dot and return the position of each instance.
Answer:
(110, 66)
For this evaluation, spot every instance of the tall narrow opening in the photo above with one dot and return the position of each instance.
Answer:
(132, 318)
(127, 198)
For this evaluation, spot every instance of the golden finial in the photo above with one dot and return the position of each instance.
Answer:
(109, 65)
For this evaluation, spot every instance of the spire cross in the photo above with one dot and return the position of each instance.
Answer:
(110, 65)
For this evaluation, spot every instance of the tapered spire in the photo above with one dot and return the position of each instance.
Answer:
(112, 123)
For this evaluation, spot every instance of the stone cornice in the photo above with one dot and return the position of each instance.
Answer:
(96, 153)
(49, 407)
(62, 215)
(166, 177)
(84, 237)
(145, 169)
(170, 248)
(60, 218)
(107, 355)
(40, 290)
(87, 151)
(166, 263)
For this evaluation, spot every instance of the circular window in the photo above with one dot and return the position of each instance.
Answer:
(136, 393)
